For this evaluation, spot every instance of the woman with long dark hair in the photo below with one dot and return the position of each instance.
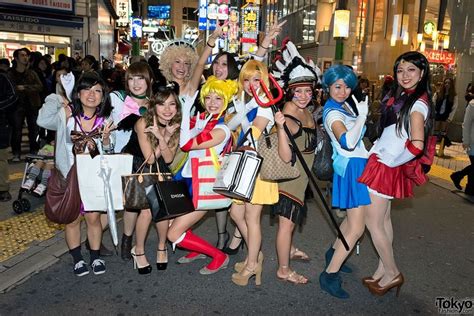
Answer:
(407, 119)
(154, 140)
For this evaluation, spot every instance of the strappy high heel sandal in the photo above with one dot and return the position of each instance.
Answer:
(226, 240)
(162, 265)
(243, 279)
(141, 269)
(234, 251)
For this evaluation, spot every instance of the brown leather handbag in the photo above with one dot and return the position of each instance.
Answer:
(63, 201)
(133, 187)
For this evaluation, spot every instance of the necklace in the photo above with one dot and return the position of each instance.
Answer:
(161, 124)
(140, 97)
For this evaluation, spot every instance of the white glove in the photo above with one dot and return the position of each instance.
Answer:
(353, 135)
(395, 161)
(186, 133)
(67, 81)
(240, 118)
(188, 105)
(362, 106)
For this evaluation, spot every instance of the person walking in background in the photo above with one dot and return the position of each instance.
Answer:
(8, 99)
(444, 104)
(468, 145)
(28, 88)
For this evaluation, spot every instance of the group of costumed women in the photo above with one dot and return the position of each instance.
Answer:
(189, 119)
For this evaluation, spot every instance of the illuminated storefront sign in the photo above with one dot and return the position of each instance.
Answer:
(439, 57)
(65, 6)
(233, 33)
(341, 23)
(123, 11)
(202, 15)
(250, 22)
(429, 28)
(136, 28)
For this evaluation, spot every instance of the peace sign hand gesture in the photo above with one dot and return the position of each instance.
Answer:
(273, 32)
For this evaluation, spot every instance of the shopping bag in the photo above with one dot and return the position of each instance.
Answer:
(168, 199)
(91, 185)
(204, 171)
(238, 173)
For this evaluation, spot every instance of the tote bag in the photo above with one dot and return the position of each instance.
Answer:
(91, 183)
(204, 171)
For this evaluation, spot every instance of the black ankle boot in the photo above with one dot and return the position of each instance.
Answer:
(126, 247)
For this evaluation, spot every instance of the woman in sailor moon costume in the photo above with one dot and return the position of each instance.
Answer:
(197, 134)
(406, 121)
(247, 214)
(345, 127)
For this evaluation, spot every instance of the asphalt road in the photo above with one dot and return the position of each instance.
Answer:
(434, 237)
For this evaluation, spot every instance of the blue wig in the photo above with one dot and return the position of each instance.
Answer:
(337, 72)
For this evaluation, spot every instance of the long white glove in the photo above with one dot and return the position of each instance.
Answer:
(186, 133)
(67, 81)
(240, 118)
(353, 135)
(405, 156)
(395, 161)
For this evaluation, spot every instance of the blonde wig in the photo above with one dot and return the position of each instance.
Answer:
(223, 88)
(250, 69)
(169, 56)
(140, 68)
(159, 99)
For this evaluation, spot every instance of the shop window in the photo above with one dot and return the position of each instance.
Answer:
(190, 14)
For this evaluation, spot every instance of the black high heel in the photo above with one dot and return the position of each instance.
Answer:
(227, 237)
(162, 265)
(141, 270)
(234, 251)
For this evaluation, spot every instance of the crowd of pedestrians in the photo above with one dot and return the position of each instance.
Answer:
(171, 109)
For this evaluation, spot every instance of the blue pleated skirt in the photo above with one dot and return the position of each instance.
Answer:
(347, 192)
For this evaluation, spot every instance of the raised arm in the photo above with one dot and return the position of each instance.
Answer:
(275, 29)
(193, 83)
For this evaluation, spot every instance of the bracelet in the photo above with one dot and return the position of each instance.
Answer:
(211, 46)
(264, 47)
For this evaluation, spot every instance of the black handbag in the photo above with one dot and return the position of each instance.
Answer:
(168, 199)
(322, 166)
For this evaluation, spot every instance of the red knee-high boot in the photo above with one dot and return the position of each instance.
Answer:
(194, 243)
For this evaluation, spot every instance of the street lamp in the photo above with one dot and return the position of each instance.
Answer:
(341, 31)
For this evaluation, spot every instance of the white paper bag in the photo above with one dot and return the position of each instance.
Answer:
(238, 173)
(91, 184)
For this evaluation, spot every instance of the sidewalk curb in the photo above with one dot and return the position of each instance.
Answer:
(37, 257)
